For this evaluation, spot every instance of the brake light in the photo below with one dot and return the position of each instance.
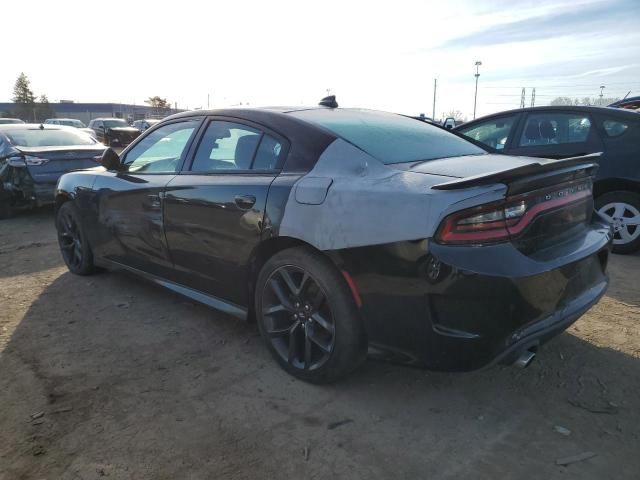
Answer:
(499, 221)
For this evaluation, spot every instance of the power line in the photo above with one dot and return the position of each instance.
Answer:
(568, 85)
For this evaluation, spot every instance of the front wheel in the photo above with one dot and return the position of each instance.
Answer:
(307, 316)
(622, 210)
(74, 247)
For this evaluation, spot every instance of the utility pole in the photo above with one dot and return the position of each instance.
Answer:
(602, 87)
(533, 97)
(522, 96)
(435, 86)
(208, 101)
(475, 97)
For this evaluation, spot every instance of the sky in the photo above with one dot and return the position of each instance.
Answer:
(372, 54)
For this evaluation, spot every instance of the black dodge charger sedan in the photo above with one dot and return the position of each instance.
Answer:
(343, 231)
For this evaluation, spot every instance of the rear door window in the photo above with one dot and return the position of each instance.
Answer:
(493, 133)
(551, 128)
(614, 128)
(229, 146)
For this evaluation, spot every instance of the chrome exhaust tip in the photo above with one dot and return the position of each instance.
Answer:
(525, 359)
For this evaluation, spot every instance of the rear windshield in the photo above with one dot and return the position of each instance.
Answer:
(35, 137)
(391, 138)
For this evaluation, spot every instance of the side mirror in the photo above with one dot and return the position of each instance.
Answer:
(111, 160)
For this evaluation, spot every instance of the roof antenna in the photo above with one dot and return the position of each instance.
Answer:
(329, 101)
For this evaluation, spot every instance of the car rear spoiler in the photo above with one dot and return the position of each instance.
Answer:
(527, 176)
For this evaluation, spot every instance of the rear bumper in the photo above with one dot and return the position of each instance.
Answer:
(554, 324)
(466, 319)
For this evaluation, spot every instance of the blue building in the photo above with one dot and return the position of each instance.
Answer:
(86, 111)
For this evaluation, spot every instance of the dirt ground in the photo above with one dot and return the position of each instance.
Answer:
(108, 376)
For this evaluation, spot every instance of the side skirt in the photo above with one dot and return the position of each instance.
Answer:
(204, 298)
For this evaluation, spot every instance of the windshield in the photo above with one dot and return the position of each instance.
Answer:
(72, 123)
(6, 121)
(389, 137)
(36, 137)
(115, 124)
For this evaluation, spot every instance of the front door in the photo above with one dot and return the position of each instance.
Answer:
(214, 210)
(129, 224)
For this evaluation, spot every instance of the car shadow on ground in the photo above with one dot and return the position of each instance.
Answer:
(22, 233)
(133, 381)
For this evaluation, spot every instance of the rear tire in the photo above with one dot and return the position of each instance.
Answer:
(73, 242)
(308, 318)
(622, 210)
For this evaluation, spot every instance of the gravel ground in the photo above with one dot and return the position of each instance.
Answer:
(108, 376)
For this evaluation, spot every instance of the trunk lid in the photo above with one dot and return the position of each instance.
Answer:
(547, 202)
(47, 164)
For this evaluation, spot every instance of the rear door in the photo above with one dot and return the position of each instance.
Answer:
(555, 134)
(129, 203)
(214, 210)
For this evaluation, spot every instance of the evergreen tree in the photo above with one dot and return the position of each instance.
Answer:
(24, 98)
(43, 109)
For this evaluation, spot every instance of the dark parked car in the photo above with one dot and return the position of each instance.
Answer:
(340, 229)
(113, 132)
(560, 132)
(144, 124)
(10, 121)
(631, 103)
(32, 159)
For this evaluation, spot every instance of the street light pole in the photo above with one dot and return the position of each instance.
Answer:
(602, 87)
(475, 97)
(435, 86)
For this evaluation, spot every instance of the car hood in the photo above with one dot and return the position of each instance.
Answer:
(470, 165)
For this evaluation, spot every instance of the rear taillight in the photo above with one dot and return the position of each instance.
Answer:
(500, 221)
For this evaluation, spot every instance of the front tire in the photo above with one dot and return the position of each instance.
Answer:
(72, 240)
(308, 318)
(622, 210)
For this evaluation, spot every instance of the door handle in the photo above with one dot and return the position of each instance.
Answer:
(245, 201)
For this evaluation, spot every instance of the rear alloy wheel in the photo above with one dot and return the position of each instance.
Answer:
(308, 318)
(72, 240)
(622, 210)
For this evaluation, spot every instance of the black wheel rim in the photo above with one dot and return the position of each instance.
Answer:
(69, 239)
(297, 318)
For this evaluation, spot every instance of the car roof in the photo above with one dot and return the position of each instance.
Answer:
(558, 108)
(108, 118)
